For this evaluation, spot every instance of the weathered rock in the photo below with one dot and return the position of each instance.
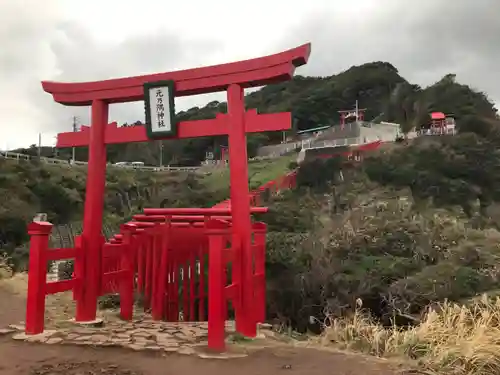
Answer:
(72, 336)
(99, 338)
(118, 340)
(54, 340)
(171, 349)
(135, 347)
(17, 327)
(83, 338)
(143, 334)
(153, 348)
(97, 323)
(207, 355)
(84, 331)
(34, 338)
(167, 340)
(186, 350)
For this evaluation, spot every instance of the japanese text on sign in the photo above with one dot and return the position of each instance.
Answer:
(160, 109)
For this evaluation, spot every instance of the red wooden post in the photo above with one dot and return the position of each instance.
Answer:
(192, 280)
(185, 289)
(37, 276)
(92, 239)
(162, 281)
(201, 283)
(260, 271)
(216, 300)
(148, 250)
(140, 260)
(127, 282)
(240, 207)
(78, 269)
(156, 309)
(175, 286)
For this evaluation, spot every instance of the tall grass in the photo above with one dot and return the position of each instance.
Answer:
(5, 268)
(450, 338)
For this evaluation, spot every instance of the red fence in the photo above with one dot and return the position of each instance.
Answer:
(284, 182)
(175, 259)
(163, 258)
(38, 287)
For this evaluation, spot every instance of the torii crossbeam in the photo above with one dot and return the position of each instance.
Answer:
(254, 123)
(233, 77)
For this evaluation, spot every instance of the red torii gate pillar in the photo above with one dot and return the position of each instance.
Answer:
(240, 202)
(233, 77)
(90, 267)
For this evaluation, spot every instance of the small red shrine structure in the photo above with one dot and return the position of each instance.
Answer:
(438, 122)
(156, 253)
(351, 115)
(441, 124)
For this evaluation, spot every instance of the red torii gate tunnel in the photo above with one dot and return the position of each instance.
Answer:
(143, 255)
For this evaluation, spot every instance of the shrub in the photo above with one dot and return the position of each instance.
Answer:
(65, 270)
(397, 260)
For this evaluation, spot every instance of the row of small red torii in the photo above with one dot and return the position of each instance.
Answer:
(234, 216)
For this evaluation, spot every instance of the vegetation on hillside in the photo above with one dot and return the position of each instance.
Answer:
(27, 188)
(391, 256)
(315, 101)
(408, 227)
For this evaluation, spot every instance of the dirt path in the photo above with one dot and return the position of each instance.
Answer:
(19, 358)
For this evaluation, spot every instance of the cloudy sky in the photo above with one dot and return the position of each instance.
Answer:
(74, 40)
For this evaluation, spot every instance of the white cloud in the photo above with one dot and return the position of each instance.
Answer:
(69, 40)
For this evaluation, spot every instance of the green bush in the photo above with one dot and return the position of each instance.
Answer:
(394, 255)
(318, 174)
(65, 270)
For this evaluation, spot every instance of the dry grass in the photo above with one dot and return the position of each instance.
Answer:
(5, 270)
(450, 339)
(59, 308)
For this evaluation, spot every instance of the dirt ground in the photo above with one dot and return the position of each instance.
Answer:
(19, 358)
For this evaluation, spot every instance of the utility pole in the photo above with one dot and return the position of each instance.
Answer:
(39, 145)
(161, 154)
(75, 126)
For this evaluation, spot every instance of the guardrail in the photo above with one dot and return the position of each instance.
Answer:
(70, 163)
(330, 143)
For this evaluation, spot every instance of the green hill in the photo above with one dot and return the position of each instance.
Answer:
(315, 101)
(410, 226)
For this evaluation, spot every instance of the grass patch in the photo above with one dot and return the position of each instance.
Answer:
(450, 339)
(259, 172)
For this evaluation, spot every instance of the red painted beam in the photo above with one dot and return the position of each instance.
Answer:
(255, 123)
(248, 73)
(217, 211)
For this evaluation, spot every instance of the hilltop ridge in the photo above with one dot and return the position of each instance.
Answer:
(315, 101)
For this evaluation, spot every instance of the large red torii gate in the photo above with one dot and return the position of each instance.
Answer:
(233, 77)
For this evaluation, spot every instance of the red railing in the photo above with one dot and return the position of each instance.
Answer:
(164, 255)
(118, 280)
